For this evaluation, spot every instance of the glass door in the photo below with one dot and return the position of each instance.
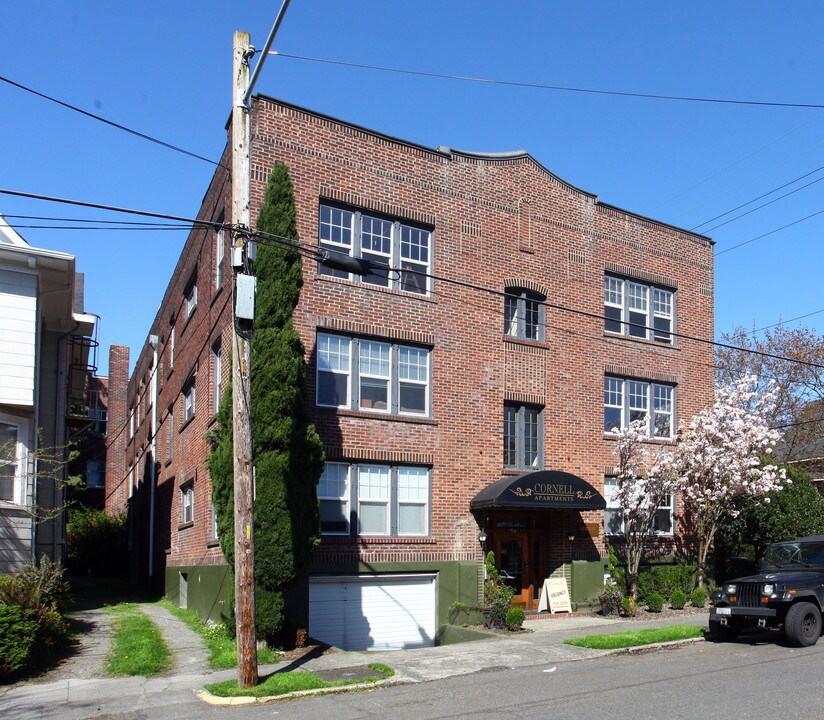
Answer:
(512, 559)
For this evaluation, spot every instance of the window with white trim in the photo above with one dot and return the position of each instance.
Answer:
(13, 458)
(217, 373)
(171, 348)
(131, 421)
(376, 500)
(663, 522)
(188, 396)
(190, 298)
(405, 248)
(213, 526)
(372, 375)
(638, 309)
(95, 474)
(170, 440)
(524, 314)
(220, 254)
(627, 400)
(523, 437)
(187, 502)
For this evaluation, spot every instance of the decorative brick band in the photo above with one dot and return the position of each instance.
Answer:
(626, 371)
(380, 331)
(471, 229)
(577, 256)
(348, 198)
(524, 347)
(358, 452)
(413, 554)
(705, 290)
(653, 278)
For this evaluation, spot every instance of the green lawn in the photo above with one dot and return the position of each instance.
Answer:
(634, 638)
(221, 645)
(138, 647)
(286, 682)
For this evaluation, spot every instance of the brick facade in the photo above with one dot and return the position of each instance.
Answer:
(497, 221)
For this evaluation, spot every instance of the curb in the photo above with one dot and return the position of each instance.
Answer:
(211, 699)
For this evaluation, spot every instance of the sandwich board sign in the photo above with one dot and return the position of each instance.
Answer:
(555, 596)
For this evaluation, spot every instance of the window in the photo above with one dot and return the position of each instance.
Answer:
(627, 400)
(213, 526)
(12, 460)
(404, 248)
(216, 377)
(372, 375)
(187, 502)
(188, 401)
(220, 255)
(663, 521)
(523, 437)
(171, 348)
(524, 315)
(95, 474)
(388, 500)
(190, 298)
(170, 442)
(638, 310)
(131, 421)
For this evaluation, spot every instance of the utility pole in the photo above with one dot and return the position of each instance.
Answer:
(247, 671)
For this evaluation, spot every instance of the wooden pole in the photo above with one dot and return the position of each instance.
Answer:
(247, 671)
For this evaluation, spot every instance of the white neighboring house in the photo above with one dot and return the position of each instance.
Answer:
(45, 339)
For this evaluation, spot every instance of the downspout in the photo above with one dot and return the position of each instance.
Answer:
(153, 341)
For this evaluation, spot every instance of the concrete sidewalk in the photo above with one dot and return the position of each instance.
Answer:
(71, 699)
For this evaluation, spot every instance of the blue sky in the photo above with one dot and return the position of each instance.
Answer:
(165, 69)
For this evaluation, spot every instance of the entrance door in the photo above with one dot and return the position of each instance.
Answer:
(512, 555)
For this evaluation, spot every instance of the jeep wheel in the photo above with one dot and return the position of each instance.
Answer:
(723, 633)
(803, 624)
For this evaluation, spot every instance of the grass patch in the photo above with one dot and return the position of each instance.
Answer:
(221, 645)
(138, 647)
(634, 638)
(286, 682)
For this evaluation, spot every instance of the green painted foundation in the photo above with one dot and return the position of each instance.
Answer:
(208, 589)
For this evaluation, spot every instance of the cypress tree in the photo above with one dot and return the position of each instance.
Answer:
(288, 455)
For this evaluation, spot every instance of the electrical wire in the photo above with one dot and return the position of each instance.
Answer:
(767, 234)
(111, 123)
(541, 86)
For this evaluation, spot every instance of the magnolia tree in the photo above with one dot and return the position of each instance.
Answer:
(644, 480)
(720, 458)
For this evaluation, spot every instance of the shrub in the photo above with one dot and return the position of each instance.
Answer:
(37, 587)
(655, 602)
(610, 600)
(514, 618)
(17, 636)
(698, 597)
(96, 543)
(678, 599)
(497, 595)
(665, 580)
(629, 606)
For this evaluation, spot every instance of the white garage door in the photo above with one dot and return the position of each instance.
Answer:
(373, 612)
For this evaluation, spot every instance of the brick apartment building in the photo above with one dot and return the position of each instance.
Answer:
(461, 412)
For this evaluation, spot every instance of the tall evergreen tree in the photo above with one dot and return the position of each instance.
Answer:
(288, 455)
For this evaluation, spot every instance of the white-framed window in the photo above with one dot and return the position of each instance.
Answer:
(95, 474)
(171, 348)
(188, 396)
(217, 374)
(403, 247)
(187, 502)
(663, 522)
(220, 254)
(523, 437)
(13, 459)
(190, 298)
(377, 500)
(524, 314)
(626, 400)
(213, 526)
(373, 375)
(170, 439)
(131, 421)
(638, 309)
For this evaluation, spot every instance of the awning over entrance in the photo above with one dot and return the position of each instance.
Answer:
(540, 490)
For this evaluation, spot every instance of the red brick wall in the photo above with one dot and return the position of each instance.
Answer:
(495, 221)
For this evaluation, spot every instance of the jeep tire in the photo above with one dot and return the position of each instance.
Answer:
(802, 625)
(723, 633)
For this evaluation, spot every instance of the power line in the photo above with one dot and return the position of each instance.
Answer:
(111, 123)
(756, 199)
(313, 250)
(541, 86)
(784, 322)
(766, 234)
